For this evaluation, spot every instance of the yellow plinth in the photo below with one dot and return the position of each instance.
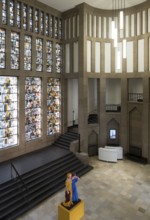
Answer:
(76, 213)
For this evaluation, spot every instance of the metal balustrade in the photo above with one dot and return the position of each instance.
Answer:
(113, 108)
(135, 97)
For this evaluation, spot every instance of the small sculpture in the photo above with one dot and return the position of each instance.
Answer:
(75, 179)
(68, 193)
(71, 193)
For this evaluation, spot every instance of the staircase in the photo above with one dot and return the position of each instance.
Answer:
(21, 194)
(65, 140)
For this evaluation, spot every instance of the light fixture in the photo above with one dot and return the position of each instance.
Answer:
(121, 18)
(113, 29)
(115, 37)
(118, 59)
(118, 27)
(124, 48)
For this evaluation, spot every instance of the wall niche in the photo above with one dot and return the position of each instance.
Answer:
(113, 133)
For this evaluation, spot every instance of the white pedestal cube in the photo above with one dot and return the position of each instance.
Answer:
(107, 154)
(119, 151)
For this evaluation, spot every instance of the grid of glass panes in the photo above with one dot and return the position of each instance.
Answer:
(31, 18)
(39, 54)
(53, 106)
(49, 56)
(2, 49)
(25, 17)
(4, 11)
(51, 25)
(27, 52)
(36, 21)
(47, 25)
(11, 12)
(42, 22)
(8, 111)
(15, 50)
(58, 58)
(56, 27)
(32, 108)
(60, 28)
(18, 14)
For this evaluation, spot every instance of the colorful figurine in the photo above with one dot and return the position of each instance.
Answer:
(68, 193)
(75, 179)
(71, 193)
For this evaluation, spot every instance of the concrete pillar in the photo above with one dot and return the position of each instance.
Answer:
(124, 134)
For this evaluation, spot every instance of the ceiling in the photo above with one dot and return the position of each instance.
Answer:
(64, 5)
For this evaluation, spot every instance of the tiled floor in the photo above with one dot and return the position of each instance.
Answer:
(111, 191)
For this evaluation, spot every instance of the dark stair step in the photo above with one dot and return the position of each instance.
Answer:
(41, 182)
(20, 209)
(47, 165)
(49, 169)
(71, 135)
(24, 208)
(36, 176)
(43, 195)
(62, 141)
(37, 189)
(68, 138)
(62, 146)
(7, 194)
(84, 170)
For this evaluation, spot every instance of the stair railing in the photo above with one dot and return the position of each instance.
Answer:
(79, 150)
(19, 177)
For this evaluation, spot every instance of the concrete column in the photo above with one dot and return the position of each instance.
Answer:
(83, 84)
(135, 56)
(21, 112)
(103, 125)
(146, 53)
(44, 110)
(83, 113)
(145, 121)
(64, 109)
(93, 57)
(124, 115)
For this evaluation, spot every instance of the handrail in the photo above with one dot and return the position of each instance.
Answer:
(79, 151)
(23, 183)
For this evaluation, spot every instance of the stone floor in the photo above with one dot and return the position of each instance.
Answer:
(111, 191)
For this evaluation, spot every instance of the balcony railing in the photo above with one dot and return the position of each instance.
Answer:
(92, 118)
(113, 108)
(135, 97)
